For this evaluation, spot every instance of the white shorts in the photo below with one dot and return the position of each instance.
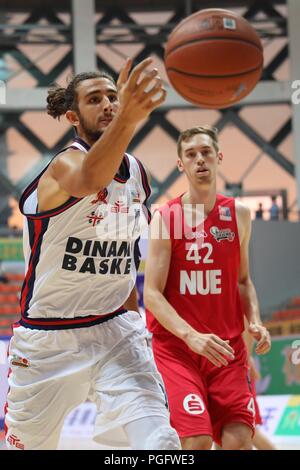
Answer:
(110, 363)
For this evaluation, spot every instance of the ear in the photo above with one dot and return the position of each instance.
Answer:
(220, 158)
(72, 118)
(180, 165)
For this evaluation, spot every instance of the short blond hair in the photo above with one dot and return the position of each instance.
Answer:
(211, 131)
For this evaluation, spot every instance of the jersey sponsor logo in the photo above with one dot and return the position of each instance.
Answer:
(222, 234)
(196, 239)
(196, 235)
(94, 219)
(201, 282)
(101, 197)
(193, 404)
(225, 213)
(136, 196)
(92, 257)
(19, 361)
(15, 442)
(119, 207)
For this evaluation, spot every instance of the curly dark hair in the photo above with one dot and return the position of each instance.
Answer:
(60, 99)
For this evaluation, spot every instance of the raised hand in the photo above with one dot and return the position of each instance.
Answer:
(140, 92)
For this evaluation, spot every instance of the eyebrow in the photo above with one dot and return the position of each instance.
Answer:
(108, 90)
(203, 147)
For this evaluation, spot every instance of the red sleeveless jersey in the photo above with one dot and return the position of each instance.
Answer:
(202, 284)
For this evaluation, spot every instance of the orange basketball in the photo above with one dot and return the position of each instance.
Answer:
(214, 58)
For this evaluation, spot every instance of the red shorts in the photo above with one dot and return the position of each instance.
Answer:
(202, 397)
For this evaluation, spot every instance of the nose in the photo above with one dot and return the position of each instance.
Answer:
(107, 105)
(200, 158)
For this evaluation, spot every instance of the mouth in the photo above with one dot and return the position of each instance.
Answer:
(202, 172)
(105, 121)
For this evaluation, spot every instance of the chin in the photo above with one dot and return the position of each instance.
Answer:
(204, 181)
(205, 178)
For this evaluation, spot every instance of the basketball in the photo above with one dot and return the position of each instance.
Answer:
(214, 58)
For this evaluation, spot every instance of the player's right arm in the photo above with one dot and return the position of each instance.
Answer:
(156, 274)
(75, 173)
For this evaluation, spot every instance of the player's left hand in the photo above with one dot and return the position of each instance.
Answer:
(262, 336)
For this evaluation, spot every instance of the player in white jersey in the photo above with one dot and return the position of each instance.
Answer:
(80, 335)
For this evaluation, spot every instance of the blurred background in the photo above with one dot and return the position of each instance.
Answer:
(46, 41)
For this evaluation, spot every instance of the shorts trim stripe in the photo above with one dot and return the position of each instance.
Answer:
(64, 324)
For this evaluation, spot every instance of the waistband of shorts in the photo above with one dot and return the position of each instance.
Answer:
(67, 324)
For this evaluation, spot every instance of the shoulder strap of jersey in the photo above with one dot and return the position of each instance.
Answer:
(33, 185)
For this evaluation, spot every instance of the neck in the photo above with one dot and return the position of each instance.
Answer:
(205, 196)
(86, 138)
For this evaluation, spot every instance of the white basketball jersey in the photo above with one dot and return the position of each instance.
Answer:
(82, 257)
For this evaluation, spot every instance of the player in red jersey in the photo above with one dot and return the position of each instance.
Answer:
(197, 291)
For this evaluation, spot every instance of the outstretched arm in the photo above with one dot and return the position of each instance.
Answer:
(96, 169)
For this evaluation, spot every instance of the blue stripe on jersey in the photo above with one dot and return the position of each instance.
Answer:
(28, 285)
(30, 226)
(58, 210)
(83, 143)
(137, 254)
(146, 187)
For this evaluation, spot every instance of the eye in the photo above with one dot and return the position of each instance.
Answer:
(112, 98)
(206, 152)
(191, 154)
(94, 100)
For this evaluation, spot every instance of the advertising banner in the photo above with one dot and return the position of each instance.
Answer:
(280, 368)
(11, 249)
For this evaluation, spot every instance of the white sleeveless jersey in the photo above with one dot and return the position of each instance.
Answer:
(82, 257)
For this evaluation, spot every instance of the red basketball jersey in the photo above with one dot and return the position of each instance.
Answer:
(202, 284)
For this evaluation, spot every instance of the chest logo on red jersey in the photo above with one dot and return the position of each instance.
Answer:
(190, 235)
(222, 234)
(225, 214)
